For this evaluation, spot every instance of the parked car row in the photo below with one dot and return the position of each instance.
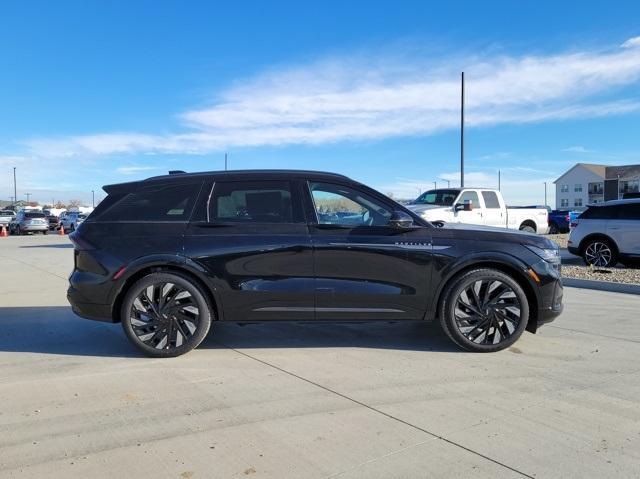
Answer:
(39, 221)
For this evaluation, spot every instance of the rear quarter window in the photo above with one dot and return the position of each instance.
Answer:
(163, 202)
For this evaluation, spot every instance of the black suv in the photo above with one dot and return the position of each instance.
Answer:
(169, 255)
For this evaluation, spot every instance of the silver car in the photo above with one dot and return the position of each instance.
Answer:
(30, 222)
(607, 233)
(71, 220)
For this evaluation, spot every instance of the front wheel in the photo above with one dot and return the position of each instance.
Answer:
(599, 252)
(166, 315)
(484, 310)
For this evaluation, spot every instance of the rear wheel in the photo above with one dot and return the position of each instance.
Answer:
(599, 252)
(527, 228)
(484, 310)
(166, 315)
(553, 229)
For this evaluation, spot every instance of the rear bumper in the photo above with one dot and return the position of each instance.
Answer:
(33, 228)
(88, 310)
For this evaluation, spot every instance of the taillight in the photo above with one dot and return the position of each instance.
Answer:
(80, 243)
(573, 224)
(567, 218)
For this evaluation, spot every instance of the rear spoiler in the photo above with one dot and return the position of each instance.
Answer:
(121, 188)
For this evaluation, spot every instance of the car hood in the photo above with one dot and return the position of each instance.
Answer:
(418, 209)
(491, 233)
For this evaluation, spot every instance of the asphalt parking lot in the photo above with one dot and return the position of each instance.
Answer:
(309, 400)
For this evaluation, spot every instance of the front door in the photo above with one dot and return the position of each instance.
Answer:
(364, 268)
(252, 241)
(473, 217)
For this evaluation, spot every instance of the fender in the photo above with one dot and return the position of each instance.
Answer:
(178, 262)
(479, 259)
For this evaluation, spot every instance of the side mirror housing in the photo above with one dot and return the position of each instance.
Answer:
(466, 206)
(400, 219)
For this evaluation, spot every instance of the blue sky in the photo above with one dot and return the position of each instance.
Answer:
(93, 92)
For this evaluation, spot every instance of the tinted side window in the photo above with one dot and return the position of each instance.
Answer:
(252, 202)
(471, 196)
(155, 203)
(599, 213)
(629, 212)
(491, 199)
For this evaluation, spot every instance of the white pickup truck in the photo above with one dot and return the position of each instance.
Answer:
(6, 217)
(478, 206)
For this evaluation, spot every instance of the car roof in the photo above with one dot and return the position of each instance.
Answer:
(229, 175)
(628, 201)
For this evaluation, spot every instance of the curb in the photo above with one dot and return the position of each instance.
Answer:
(626, 288)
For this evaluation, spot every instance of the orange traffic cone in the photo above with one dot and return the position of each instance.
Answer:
(3, 233)
(61, 230)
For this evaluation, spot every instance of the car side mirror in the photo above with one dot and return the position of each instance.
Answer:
(466, 206)
(400, 219)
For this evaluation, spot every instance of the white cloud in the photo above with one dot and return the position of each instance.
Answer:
(346, 99)
(631, 43)
(577, 149)
(129, 170)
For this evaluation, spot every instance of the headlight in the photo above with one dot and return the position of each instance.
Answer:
(550, 255)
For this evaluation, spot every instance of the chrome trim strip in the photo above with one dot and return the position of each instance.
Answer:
(411, 246)
(209, 201)
(327, 310)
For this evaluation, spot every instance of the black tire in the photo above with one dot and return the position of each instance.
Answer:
(45, 232)
(553, 229)
(527, 228)
(166, 326)
(487, 318)
(599, 252)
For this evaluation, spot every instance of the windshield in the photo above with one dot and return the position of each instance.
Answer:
(34, 215)
(437, 197)
(6, 213)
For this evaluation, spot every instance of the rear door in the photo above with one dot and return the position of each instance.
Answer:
(624, 228)
(493, 213)
(251, 239)
(364, 268)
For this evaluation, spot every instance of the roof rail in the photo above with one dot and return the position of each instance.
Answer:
(177, 172)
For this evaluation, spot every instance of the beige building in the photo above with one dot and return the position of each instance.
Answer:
(587, 183)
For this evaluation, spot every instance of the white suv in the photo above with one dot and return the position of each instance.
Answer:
(607, 233)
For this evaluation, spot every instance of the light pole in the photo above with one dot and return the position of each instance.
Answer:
(435, 185)
(499, 179)
(545, 193)
(27, 195)
(93, 198)
(448, 182)
(462, 131)
(15, 195)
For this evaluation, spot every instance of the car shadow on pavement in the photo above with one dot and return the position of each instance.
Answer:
(57, 330)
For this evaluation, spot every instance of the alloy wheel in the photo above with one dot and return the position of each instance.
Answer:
(598, 253)
(164, 315)
(487, 311)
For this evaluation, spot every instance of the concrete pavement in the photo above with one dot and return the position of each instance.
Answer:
(303, 400)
